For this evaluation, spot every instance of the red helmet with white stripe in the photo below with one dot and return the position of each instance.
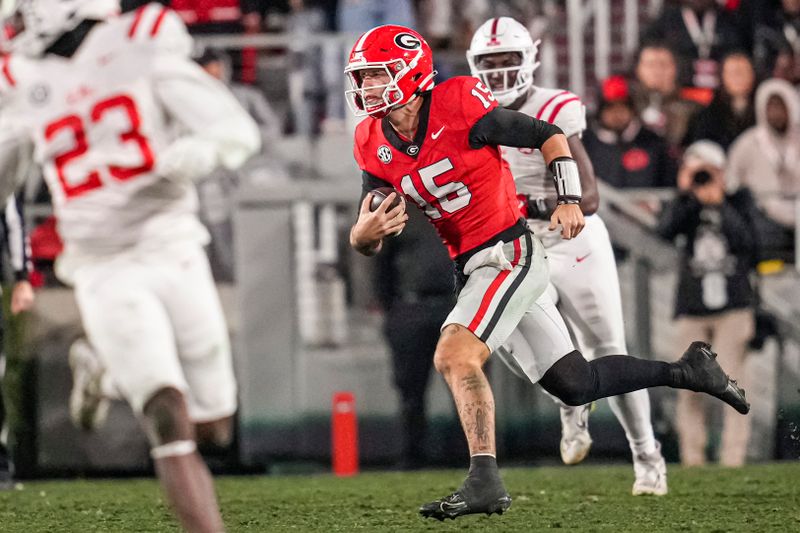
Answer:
(498, 36)
(405, 58)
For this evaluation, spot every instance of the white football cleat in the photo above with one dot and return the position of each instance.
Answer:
(88, 407)
(651, 474)
(575, 438)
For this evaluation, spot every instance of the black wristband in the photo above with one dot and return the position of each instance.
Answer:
(569, 200)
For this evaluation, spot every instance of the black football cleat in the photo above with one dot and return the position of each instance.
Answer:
(457, 504)
(702, 373)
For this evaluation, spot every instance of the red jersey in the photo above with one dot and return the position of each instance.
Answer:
(468, 194)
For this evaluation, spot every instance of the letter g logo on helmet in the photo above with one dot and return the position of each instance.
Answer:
(407, 41)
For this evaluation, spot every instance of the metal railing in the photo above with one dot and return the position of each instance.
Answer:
(580, 15)
(630, 226)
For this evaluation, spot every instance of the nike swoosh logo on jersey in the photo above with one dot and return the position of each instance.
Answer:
(434, 136)
(580, 259)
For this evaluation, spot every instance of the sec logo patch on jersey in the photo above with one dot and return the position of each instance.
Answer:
(384, 154)
(39, 94)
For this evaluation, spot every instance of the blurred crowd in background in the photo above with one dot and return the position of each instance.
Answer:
(724, 71)
(721, 77)
(727, 72)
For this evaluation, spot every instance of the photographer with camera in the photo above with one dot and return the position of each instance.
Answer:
(714, 301)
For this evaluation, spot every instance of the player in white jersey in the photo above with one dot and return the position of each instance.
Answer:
(121, 121)
(583, 273)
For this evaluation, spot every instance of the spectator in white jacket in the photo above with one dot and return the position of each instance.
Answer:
(766, 159)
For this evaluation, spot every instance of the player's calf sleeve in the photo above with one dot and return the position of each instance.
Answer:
(577, 381)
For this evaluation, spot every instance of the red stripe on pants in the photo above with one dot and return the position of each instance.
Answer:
(492, 290)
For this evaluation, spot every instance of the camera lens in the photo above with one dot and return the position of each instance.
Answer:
(701, 177)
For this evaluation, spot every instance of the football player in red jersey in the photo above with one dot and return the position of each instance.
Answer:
(439, 147)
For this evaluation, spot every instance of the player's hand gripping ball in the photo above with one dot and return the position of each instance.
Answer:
(379, 195)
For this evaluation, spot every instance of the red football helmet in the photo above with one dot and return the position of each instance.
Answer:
(405, 57)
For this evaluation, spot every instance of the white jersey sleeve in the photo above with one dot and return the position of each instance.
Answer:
(103, 123)
(16, 148)
(531, 175)
(556, 106)
(16, 156)
(572, 117)
(206, 110)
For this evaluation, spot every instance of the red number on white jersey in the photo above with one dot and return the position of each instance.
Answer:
(81, 146)
(74, 123)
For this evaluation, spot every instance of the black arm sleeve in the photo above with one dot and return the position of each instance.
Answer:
(504, 127)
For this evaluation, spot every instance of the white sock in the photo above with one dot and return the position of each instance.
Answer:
(633, 412)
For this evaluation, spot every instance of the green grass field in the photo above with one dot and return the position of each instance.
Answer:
(590, 498)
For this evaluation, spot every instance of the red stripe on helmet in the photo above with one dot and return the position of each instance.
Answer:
(493, 37)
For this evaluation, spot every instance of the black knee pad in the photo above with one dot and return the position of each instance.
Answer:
(572, 396)
(570, 379)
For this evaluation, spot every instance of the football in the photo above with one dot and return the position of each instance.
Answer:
(380, 194)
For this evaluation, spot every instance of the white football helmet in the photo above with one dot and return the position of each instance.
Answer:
(39, 23)
(499, 35)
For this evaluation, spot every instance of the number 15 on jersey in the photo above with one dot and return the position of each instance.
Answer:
(449, 197)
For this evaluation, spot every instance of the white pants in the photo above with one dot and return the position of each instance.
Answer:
(584, 274)
(583, 280)
(156, 321)
(505, 291)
